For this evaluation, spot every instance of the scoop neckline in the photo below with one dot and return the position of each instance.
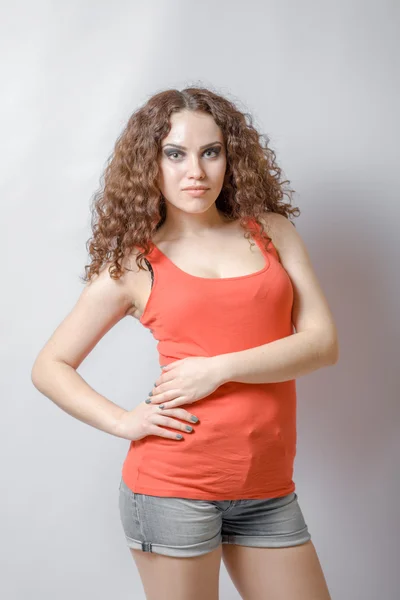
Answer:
(236, 277)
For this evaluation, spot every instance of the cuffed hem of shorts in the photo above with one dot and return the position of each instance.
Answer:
(178, 551)
(263, 541)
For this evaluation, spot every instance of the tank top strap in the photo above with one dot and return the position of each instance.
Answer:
(261, 240)
(267, 249)
(159, 265)
(150, 267)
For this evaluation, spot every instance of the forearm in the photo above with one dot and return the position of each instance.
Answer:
(65, 387)
(281, 360)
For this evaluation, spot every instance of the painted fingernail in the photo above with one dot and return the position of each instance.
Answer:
(179, 436)
(194, 419)
(150, 393)
(161, 405)
(189, 428)
(148, 401)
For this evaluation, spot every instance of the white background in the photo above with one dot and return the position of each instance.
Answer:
(322, 80)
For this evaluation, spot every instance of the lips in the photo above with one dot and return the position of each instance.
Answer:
(196, 188)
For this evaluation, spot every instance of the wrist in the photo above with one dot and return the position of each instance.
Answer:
(221, 370)
(119, 425)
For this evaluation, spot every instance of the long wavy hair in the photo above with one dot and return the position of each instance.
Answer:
(129, 208)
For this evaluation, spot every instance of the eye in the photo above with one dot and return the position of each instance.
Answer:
(169, 154)
(216, 151)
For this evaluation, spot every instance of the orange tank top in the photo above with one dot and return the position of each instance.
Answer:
(244, 445)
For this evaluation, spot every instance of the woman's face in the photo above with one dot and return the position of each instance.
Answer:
(200, 160)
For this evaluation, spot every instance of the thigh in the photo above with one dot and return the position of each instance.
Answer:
(276, 573)
(171, 578)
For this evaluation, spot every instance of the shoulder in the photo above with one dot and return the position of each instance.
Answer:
(119, 293)
(108, 291)
(277, 225)
(288, 242)
(282, 232)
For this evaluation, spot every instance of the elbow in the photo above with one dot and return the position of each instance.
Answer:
(39, 367)
(332, 352)
(35, 375)
(329, 348)
(44, 368)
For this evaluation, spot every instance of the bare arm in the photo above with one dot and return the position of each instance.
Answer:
(281, 360)
(103, 302)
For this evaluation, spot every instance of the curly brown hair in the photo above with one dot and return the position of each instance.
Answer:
(131, 207)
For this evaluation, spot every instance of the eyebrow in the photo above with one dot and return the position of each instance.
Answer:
(201, 147)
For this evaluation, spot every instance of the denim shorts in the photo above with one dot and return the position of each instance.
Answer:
(186, 527)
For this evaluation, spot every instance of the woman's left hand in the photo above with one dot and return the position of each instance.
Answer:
(185, 381)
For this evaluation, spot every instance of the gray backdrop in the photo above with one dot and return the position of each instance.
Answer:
(322, 79)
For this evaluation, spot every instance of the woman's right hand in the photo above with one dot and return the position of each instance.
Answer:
(149, 419)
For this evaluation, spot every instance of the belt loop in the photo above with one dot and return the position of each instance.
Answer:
(146, 547)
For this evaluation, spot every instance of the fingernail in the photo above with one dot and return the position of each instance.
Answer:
(161, 405)
(194, 419)
(150, 393)
(179, 436)
(189, 428)
(148, 401)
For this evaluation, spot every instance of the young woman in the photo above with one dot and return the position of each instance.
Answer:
(191, 236)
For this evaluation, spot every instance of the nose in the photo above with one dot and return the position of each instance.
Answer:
(195, 169)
